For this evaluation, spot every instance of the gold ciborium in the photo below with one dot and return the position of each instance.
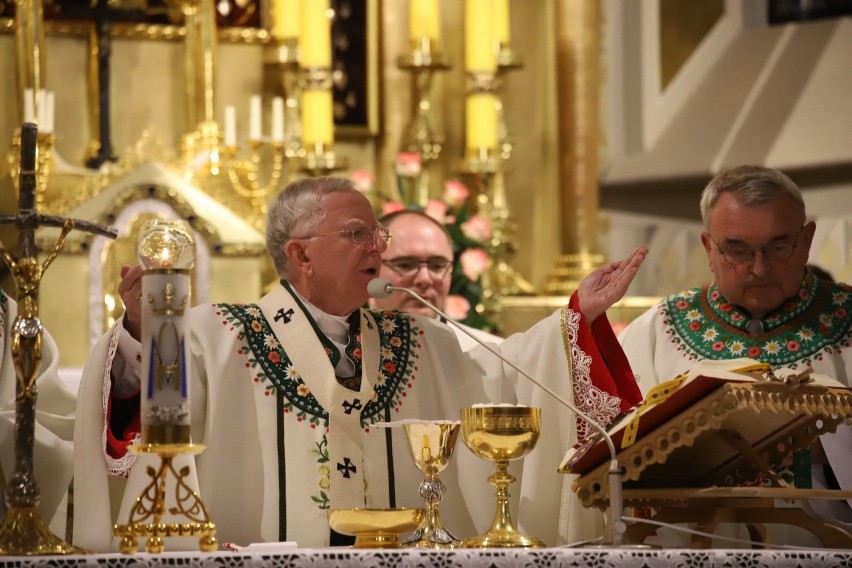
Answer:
(500, 434)
(431, 445)
(376, 528)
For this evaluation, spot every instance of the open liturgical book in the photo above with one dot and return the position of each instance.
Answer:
(744, 418)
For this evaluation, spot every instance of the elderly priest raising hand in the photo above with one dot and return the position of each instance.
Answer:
(287, 391)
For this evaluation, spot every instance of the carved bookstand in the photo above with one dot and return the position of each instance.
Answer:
(693, 466)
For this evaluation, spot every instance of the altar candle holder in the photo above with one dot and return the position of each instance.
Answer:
(166, 251)
(422, 135)
(319, 156)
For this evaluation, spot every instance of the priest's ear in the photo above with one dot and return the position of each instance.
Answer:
(296, 252)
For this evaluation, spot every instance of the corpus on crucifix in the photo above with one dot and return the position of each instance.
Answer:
(23, 531)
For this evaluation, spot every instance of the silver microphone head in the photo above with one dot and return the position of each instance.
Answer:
(379, 288)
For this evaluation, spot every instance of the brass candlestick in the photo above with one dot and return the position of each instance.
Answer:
(422, 135)
(501, 434)
(166, 251)
(319, 158)
(432, 445)
(23, 531)
(145, 519)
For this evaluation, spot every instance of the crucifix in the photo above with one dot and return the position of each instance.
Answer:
(23, 531)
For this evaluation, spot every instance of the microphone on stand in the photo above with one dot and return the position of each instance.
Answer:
(382, 288)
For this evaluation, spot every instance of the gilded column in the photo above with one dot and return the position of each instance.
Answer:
(578, 44)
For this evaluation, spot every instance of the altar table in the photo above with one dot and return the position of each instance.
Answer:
(464, 558)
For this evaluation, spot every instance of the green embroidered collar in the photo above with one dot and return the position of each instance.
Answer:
(812, 324)
(273, 369)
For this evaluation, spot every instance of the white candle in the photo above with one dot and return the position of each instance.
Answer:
(255, 131)
(41, 108)
(49, 112)
(230, 126)
(29, 106)
(166, 251)
(278, 119)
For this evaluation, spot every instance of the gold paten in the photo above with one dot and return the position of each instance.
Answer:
(376, 528)
(501, 434)
(145, 519)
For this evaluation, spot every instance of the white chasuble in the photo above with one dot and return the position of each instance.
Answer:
(311, 363)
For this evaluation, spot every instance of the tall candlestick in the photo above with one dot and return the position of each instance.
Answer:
(255, 129)
(285, 19)
(424, 20)
(230, 126)
(479, 52)
(166, 251)
(480, 121)
(502, 27)
(317, 118)
(315, 34)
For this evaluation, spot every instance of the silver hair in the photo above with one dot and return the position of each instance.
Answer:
(751, 185)
(297, 211)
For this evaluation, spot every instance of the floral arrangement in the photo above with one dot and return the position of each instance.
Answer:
(470, 234)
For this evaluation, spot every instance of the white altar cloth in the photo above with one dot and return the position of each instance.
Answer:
(463, 558)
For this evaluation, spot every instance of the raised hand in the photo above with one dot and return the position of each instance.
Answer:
(606, 285)
(130, 290)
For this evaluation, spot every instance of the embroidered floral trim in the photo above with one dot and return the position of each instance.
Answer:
(274, 370)
(808, 327)
(597, 404)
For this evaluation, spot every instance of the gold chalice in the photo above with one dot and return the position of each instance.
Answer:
(500, 434)
(376, 528)
(431, 445)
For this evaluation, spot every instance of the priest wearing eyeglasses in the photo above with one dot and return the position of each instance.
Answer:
(763, 303)
(287, 392)
(420, 257)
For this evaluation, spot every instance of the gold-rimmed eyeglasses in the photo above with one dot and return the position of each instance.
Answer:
(360, 235)
(773, 252)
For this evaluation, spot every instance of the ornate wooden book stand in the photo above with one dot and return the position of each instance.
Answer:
(694, 464)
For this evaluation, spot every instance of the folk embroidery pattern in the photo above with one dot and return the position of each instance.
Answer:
(815, 323)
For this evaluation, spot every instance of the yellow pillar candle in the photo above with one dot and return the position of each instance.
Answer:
(424, 20)
(479, 53)
(315, 34)
(317, 119)
(480, 121)
(502, 29)
(285, 18)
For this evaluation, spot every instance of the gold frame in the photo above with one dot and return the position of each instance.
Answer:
(251, 36)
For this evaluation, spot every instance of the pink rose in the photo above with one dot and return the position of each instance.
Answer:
(477, 228)
(438, 211)
(391, 207)
(457, 306)
(455, 193)
(363, 180)
(408, 164)
(474, 261)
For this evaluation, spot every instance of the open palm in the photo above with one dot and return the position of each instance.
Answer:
(606, 285)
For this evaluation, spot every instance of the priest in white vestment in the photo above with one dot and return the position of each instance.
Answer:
(287, 392)
(763, 303)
